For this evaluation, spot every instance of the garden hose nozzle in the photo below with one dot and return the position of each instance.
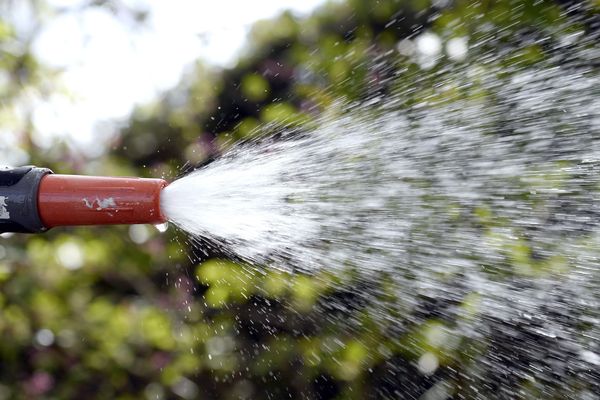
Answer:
(34, 200)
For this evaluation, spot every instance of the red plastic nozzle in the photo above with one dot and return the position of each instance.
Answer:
(65, 200)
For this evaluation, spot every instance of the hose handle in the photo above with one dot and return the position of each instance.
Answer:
(19, 188)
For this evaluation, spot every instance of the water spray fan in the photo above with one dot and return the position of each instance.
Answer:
(33, 200)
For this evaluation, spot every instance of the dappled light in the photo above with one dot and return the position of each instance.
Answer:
(365, 200)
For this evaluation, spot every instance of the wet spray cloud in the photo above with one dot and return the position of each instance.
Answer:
(481, 197)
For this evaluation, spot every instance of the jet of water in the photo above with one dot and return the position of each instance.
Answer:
(493, 197)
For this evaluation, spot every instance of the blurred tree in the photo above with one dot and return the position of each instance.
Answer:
(127, 313)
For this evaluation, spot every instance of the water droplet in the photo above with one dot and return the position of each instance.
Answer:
(162, 227)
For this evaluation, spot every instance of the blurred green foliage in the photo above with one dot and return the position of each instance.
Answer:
(128, 313)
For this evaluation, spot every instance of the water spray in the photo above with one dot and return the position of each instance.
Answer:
(33, 200)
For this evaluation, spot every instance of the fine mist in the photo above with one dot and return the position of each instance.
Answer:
(487, 203)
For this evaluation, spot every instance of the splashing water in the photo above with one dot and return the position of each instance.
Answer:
(490, 200)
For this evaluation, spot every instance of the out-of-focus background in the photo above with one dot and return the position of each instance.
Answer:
(154, 89)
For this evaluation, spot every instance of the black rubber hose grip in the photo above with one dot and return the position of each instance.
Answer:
(19, 199)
